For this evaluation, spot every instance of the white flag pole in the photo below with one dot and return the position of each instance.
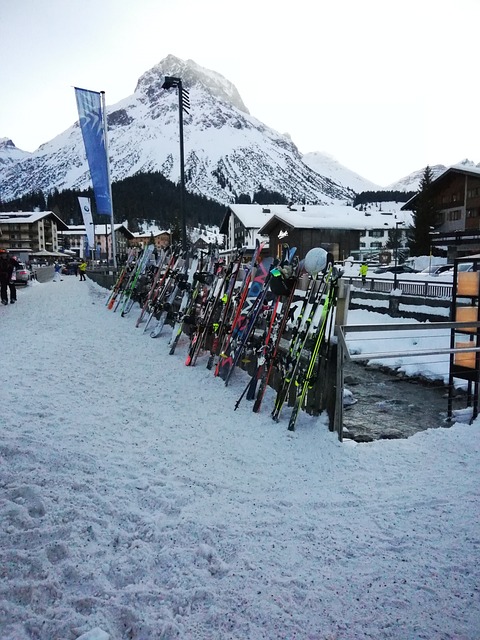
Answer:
(112, 224)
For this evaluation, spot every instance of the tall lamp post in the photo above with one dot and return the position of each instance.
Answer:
(183, 105)
(397, 224)
(92, 249)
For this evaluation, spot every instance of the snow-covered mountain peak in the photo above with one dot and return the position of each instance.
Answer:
(6, 143)
(192, 75)
(413, 180)
(9, 153)
(467, 164)
(326, 165)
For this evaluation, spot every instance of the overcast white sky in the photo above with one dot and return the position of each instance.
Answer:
(386, 87)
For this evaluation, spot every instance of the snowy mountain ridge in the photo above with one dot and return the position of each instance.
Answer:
(10, 154)
(228, 152)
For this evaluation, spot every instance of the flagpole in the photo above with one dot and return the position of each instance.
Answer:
(114, 255)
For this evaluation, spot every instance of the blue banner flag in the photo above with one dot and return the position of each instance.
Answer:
(91, 124)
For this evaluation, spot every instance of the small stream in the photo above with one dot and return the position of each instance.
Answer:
(389, 406)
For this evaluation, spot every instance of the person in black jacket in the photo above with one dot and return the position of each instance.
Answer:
(7, 265)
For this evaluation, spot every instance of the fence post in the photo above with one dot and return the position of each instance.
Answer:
(338, 413)
(393, 305)
(341, 315)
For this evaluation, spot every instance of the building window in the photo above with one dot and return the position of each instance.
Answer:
(376, 245)
(376, 233)
(473, 213)
(454, 215)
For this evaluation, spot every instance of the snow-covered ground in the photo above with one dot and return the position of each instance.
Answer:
(136, 504)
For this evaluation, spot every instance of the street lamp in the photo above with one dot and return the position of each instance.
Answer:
(183, 105)
(431, 233)
(397, 224)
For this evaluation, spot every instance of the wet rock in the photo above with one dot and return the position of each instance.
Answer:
(361, 437)
(391, 434)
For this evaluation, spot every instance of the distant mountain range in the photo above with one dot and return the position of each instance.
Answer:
(228, 152)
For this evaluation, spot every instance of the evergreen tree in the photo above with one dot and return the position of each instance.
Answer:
(424, 214)
(243, 198)
(175, 231)
(264, 196)
(394, 242)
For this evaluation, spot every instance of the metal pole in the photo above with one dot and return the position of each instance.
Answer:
(182, 166)
(396, 257)
(112, 222)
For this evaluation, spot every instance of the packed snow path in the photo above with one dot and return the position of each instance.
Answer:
(136, 501)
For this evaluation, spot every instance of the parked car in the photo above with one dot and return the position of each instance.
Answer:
(437, 269)
(462, 266)
(22, 276)
(400, 268)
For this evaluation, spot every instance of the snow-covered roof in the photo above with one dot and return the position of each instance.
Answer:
(147, 234)
(464, 169)
(252, 216)
(29, 217)
(105, 229)
(75, 230)
(336, 216)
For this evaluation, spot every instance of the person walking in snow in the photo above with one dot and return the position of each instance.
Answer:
(57, 275)
(7, 265)
(363, 272)
(82, 268)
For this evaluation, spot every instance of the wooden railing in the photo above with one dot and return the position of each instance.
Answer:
(422, 288)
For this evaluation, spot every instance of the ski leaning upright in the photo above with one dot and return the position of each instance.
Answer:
(224, 350)
(162, 286)
(248, 318)
(205, 320)
(281, 280)
(290, 362)
(189, 294)
(179, 284)
(219, 325)
(305, 380)
(123, 276)
(159, 273)
(270, 350)
(140, 268)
